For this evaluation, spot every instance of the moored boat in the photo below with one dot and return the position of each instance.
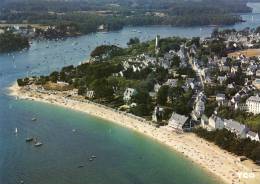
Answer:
(38, 144)
(29, 139)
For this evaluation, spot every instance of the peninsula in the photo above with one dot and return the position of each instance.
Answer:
(174, 90)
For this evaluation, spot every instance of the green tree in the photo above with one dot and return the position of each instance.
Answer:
(255, 155)
(54, 76)
(162, 95)
(133, 41)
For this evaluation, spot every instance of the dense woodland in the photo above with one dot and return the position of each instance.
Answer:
(230, 142)
(87, 15)
(12, 42)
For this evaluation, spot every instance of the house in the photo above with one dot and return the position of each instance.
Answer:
(190, 83)
(223, 61)
(102, 28)
(230, 86)
(157, 87)
(253, 104)
(129, 92)
(216, 122)
(171, 82)
(61, 83)
(222, 79)
(179, 122)
(157, 114)
(234, 69)
(199, 106)
(253, 136)
(224, 68)
(256, 83)
(220, 98)
(235, 127)
(152, 94)
(257, 73)
(90, 94)
(204, 121)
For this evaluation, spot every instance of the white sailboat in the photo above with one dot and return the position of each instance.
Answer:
(16, 131)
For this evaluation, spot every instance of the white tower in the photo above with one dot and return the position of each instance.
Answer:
(157, 39)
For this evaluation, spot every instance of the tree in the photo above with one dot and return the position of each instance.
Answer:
(106, 51)
(215, 33)
(12, 42)
(255, 155)
(142, 97)
(102, 89)
(22, 82)
(82, 90)
(196, 41)
(176, 61)
(144, 103)
(217, 47)
(133, 41)
(162, 95)
(54, 76)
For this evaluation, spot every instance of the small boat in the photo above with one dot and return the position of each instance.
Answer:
(29, 139)
(91, 159)
(93, 156)
(80, 166)
(73, 130)
(34, 119)
(38, 144)
(15, 130)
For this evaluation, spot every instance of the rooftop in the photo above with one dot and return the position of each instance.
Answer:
(254, 98)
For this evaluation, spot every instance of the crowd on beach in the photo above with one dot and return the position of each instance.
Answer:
(218, 162)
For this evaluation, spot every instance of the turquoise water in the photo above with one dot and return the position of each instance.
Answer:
(123, 156)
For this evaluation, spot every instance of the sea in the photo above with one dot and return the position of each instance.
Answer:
(71, 138)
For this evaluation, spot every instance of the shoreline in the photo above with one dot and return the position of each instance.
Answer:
(208, 156)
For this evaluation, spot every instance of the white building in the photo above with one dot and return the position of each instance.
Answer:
(200, 107)
(177, 121)
(253, 136)
(157, 87)
(90, 94)
(157, 114)
(256, 83)
(253, 104)
(257, 73)
(129, 92)
(171, 82)
(220, 98)
(222, 79)
(235, 127)
(157, 40)
(216, 122)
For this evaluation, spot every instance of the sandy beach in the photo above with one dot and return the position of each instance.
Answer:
(208, 156)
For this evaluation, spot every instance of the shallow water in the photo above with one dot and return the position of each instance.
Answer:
(123, 156)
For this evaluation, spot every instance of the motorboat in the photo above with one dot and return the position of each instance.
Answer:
(38, 144)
